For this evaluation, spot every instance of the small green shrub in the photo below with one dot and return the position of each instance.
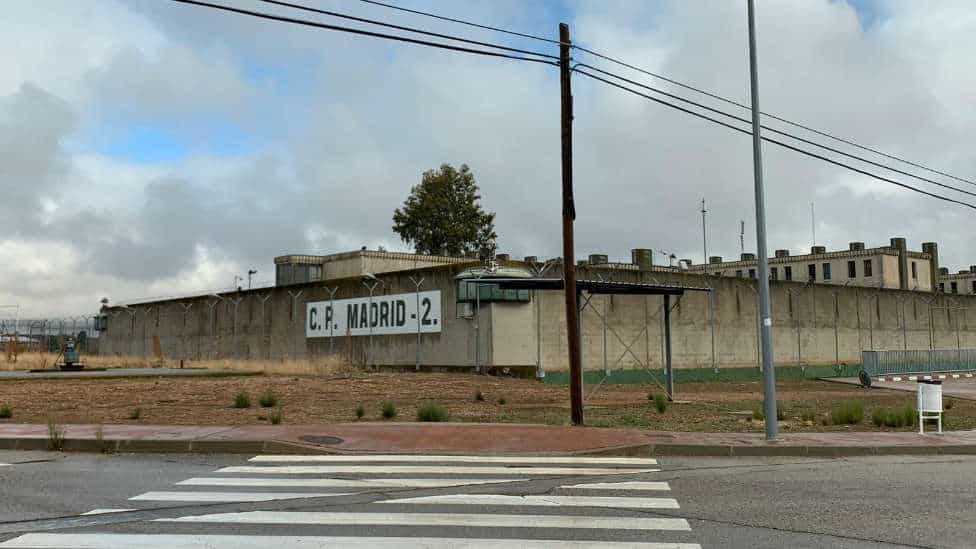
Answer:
(103, 447)
(780, 411)
(849, 412)
(502, 401)
(388, 410)
(55, 436)
(660, 403)
(268, 399)
(479, 396)
(757, 412)
(276, 416)
(136, 413)
(6, 412)
(431, 411)
(360, 411)
(242, 400)
(948, 404)
(903, 416)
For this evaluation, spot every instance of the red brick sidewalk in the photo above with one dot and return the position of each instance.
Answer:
(471, 438)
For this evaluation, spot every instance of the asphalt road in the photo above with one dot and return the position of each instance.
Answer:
(718, 502)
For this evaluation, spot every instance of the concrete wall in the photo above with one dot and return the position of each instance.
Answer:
(812, 324)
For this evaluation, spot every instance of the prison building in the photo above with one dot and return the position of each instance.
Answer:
(962, 282)
(892, 266)
(391, 309)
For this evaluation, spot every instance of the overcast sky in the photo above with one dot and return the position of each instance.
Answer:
(149, 148)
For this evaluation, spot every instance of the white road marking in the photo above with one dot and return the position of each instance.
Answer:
(441, 469)
(621, 486)
(542, 501)
(912, 378)
(341, 483)
(439, 519)
(896, 379)
(4, 465)
(955, 376)
(456, 459)
(147, 541)
(229, 496)
(106, 511)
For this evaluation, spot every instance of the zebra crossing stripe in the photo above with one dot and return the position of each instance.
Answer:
(439, 519)
(660, 486)
(106, 511)
(170, 541)
(229, 496)
(541, 501)
(439, 469)
(340, 483)
(455, 459)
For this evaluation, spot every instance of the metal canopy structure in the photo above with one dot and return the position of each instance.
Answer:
(604, 287)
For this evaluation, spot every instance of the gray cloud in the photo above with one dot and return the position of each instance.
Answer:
(383, 114)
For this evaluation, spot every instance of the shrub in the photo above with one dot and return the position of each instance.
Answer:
(479, 396)
(6, 412)
(136, 413)
(757, 412)
(808, 415)
(100, 440)
(268, 399)
(903, 416)
(276, 416)
(660, 403)
(431, 411)
(502, 401)
(388, 410)
(849, 412)
(242, 400)
(948, 404)
(55, 436)
(360, 411)
(780, 411)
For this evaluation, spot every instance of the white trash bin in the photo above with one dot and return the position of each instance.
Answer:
(929, 403)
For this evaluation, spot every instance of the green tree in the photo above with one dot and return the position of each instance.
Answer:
(442, 215)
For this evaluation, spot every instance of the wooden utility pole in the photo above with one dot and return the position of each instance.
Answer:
(569, 215)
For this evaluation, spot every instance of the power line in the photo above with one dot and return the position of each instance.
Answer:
(773, 116)
(461, 21)
(776, 142)
(680, 84)
(403, 28)
(774, 130)
(326, 26)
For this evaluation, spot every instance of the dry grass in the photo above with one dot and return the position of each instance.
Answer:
(305, 367)
(335, 397)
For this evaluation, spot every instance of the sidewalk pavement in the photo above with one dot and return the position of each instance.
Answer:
(475, 438)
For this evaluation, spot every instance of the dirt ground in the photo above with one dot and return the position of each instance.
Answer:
(708, 407)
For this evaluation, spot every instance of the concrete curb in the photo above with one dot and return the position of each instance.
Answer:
(634, 450)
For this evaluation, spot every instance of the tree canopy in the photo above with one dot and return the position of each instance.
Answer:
(443, 216)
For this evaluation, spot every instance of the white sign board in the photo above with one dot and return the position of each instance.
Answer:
(381, 315)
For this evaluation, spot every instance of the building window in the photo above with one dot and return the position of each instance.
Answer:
(826, 271)
(738, 273)
(914, 271)
(974, 286)
(467, 292)
(851, 269)
(788, 272)
(812, 271)
(867, 268)
(955, 288)
(773, 273)
(752, 273)
(942, 286)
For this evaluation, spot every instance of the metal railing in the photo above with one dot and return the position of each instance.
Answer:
(880, 363)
